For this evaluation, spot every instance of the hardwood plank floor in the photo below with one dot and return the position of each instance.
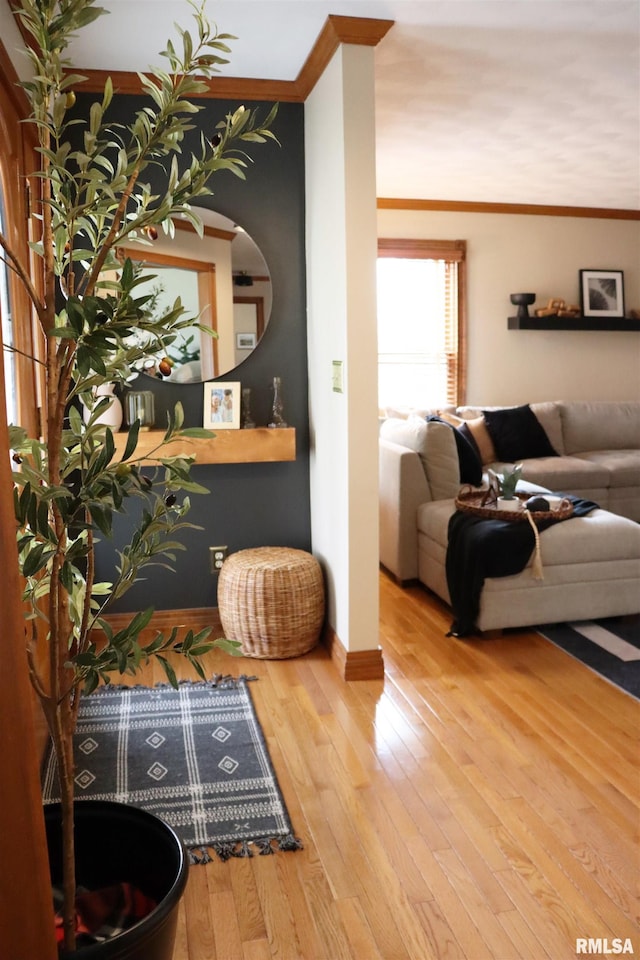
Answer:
(480, 802)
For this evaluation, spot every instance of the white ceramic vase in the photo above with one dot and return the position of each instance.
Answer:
(515, 504)
(112, 415)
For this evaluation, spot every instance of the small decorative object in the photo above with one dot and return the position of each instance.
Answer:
(508, 480)
(536, 504)
(243, 279)
(245, 341)
(140, 407)
(277, 419)
(602, 293)
(112, 415)
(556, 307)
(523, 301)
(247, 420)
(221, 406)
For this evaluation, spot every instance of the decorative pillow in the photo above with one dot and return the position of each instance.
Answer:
(517, 434)
(468, 457)
(476, 429)
(435, 445)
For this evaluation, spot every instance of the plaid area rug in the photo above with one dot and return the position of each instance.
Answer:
(610, 647)
(195, 756)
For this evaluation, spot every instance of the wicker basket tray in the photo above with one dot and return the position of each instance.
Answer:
(471, 500)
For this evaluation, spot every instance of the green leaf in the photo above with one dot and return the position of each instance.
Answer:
(232, 647)
(132, 440)
(36, 559)
(103, 518)
(168, 669)
(199, 432)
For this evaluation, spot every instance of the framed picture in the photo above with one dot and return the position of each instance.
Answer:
(221, 406)
(245, 341)
(602, 293)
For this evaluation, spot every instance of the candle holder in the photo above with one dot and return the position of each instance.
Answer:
(248, 422)
(277, 410)
(522, 301)
(140, 407)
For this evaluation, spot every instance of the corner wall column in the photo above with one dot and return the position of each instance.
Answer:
(341, 263)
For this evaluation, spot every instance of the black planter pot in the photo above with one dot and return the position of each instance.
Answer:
(117, 843)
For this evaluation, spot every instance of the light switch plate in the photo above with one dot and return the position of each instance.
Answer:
(336, 376)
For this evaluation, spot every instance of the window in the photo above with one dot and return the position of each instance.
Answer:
(421, 328)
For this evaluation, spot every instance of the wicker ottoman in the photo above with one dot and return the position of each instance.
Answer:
(271, 599)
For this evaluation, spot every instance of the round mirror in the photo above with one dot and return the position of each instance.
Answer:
(223, 279)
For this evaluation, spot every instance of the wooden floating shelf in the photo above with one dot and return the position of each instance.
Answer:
(260, 445)
(574, 323)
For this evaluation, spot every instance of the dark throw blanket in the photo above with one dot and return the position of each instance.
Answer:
(480, 548)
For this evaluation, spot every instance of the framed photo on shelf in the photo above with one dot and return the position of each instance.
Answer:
(602, 293)
(245, 341)
(221, 406)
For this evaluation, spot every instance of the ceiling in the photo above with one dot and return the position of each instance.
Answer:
(499, 101)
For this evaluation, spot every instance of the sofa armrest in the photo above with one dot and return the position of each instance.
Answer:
(403, 488)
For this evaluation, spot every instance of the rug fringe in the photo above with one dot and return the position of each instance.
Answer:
(226, 849)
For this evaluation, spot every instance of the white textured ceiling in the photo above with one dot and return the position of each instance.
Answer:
(507, 101)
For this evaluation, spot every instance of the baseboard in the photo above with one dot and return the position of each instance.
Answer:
(410, 582)
(353, 664)
(192, 618)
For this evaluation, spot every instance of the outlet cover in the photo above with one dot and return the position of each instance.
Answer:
(217, 556)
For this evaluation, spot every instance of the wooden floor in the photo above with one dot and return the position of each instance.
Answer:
(479, 803)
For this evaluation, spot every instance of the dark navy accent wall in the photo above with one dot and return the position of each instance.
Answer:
(248, 504)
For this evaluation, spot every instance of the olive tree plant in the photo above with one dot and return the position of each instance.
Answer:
(96, 193)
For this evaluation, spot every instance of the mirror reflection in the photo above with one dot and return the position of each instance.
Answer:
(223, 280)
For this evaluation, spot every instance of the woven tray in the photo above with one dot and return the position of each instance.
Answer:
(471, 500)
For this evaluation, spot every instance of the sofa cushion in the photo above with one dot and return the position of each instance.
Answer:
(600, 425)
(623, 466)
(563, 474)
(433, 520)
(600, 536)
(476, 429)
(548, 413)
(517, 434)
(469, 462)
(435, 445)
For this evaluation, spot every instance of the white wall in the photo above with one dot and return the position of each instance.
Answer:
(341, 254)
(509, 253)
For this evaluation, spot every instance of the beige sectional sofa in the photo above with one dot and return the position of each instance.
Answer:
(591, 564)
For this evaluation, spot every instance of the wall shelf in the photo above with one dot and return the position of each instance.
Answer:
(574, 323)
(260, 445)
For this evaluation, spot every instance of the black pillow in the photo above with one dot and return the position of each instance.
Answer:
(469, 460)
(517, 434)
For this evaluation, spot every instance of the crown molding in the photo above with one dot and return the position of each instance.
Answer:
(529, 209)
(361, 31)
(337, 30)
